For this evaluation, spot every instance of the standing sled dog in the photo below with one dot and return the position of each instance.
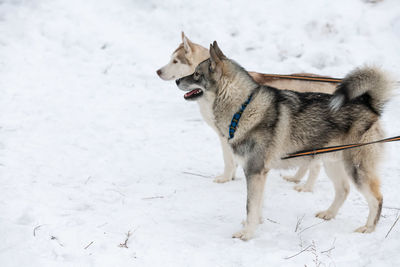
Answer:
(262, 124)
(184, 61)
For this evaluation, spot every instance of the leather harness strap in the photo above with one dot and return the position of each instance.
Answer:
(316, 151)
(304, 78)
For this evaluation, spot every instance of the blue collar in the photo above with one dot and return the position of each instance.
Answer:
(236, 117)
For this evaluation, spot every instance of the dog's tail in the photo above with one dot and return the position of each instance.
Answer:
(368, 82)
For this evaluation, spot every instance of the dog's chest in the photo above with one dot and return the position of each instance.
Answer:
(207, 112)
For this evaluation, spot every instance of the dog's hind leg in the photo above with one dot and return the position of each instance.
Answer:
(299, 174)
(255, 192)
(315, 167)
(339, 178)
(367, 182)
(229, 163)
(372, 194)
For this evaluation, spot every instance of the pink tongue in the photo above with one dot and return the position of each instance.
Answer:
(192, 93)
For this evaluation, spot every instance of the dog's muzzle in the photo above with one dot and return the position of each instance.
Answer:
(193, 94)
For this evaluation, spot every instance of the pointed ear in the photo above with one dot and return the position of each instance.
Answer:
(213, 58)
(218, 51)
(187, 44)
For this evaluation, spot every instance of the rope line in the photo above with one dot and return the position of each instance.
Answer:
(316, 151)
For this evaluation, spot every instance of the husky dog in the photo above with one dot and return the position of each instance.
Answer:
(262, 124)
(184, 61)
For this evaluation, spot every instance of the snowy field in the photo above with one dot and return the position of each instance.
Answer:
(94, 145)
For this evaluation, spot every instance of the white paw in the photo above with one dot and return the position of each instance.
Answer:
(364, 229)
(303, 188)
(222, 179)
(326, 215)
(244, 234)
(291, 179)
(260, 221)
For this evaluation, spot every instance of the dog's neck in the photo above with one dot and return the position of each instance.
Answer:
(233, 91)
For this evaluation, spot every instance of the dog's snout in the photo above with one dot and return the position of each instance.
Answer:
(178, 81)
(159, 72)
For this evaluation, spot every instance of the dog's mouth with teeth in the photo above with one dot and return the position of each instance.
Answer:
(193, 94)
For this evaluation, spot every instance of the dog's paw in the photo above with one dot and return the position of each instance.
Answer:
(244, 234)
(364, 229)
(303, 188)
(291, 179)
(326, 215)
(260, 221)
(222, 179)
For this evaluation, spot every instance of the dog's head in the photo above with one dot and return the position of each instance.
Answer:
(206, 76)
(181, 63)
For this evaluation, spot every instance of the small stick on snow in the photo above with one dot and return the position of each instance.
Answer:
(147, 198)
(88, 179)
(34, 229)
(268, 219)
(398, 217)
(311, 226)
(101, 225)
(196, 174)
(89, 245)
(154, 197)
(125, 244)
(58, 241)
(299, 223)
(298, 253)
(332, 248)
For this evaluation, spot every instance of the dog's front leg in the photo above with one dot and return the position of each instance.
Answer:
(229, 163)
(255, 193)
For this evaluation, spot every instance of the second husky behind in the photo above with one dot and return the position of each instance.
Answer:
(273, 123)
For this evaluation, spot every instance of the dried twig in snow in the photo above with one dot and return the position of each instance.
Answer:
(36, 228)
(332, 247)
(89, 245)
(397, 219)
(299, 220)
(196, 174)
(298, 253)
(311, 226)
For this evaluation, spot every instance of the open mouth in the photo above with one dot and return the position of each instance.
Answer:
(193, 94)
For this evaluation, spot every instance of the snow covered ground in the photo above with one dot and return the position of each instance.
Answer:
(94, 145)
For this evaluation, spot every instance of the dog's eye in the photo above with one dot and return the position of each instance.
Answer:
(196, 75)
(175, 61)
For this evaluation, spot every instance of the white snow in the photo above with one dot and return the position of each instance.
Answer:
(93, 144)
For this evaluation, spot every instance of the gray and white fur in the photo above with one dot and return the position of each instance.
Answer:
(278, 122)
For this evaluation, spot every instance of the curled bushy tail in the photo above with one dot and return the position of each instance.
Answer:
(369, 81)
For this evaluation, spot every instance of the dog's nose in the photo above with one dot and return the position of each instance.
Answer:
(159, 72)
(178, 81)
